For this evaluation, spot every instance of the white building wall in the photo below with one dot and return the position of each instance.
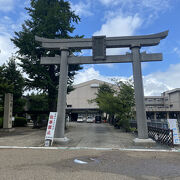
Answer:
(82, 93)
(174, 100)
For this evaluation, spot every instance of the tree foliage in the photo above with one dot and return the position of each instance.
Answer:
(15, 81)
(37, 102)
(49, 19)
(104, 98)
(125, 95)
(117, 100)
(5, 87)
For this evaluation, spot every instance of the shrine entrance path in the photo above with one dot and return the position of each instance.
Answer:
(101, 135)
(90, 135)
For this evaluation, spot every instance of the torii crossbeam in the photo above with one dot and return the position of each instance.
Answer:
(99, 44)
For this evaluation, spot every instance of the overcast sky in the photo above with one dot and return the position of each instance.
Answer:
(114, 18)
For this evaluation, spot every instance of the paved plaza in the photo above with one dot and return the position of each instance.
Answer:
(90, 135)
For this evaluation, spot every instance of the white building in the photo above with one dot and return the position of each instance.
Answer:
(157, 107)
(165, 106)
(78, 100)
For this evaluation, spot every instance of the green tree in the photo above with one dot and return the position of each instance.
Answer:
(15, 80)
(104, 99)
(49, 19)
(125, 98)
(37, 105)
(117, 100)
(5, 87)
(37, 102)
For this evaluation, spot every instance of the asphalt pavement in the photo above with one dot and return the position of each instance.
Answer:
(102, 135)
(26, 164)
(76, 163)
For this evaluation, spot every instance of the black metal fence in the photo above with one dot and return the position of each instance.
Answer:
(160, 135)
(163, 136)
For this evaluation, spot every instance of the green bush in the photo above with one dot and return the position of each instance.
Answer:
(1, 122)
(134, 130)
(123, 123)
(20, 121)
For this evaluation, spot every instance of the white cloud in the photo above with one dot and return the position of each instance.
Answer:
(109, 2)
(158, 82)
(82, 9)
(6, 48)
(154, 5)
(6, 5)
(148, 9)
(119, 25)
(154, 83)
(90, 73)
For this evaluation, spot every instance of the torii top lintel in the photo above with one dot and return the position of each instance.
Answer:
(111, 42)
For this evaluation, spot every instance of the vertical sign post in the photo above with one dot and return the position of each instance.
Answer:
(173, 125)
(50, 129)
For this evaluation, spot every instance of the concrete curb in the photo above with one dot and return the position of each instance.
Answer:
(90, 148)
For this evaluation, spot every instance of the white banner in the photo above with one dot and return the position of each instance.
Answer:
(51, 126)
(173, 125)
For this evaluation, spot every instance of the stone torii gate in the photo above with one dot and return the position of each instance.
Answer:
(99, 44)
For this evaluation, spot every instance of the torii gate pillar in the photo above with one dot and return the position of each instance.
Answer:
(62, 92)
(139, 94)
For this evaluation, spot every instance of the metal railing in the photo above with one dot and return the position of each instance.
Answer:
(163, 136)
(158, 132)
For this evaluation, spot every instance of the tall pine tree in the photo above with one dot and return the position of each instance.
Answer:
(49, 19)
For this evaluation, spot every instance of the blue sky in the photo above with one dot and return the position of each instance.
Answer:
(114, 18)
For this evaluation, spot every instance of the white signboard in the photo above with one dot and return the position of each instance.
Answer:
(51, 126)
(173, 125)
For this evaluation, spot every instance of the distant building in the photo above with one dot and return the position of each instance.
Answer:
(78, 100)
(166, 106)
(157, 107)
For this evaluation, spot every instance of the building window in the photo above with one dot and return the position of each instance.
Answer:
(150, 107)
(94, 85)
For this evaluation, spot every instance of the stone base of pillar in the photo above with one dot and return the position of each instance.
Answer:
(144, 142)
(62, 141)
(7, 129)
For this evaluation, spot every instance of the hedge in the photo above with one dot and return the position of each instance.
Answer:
(20, 121)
